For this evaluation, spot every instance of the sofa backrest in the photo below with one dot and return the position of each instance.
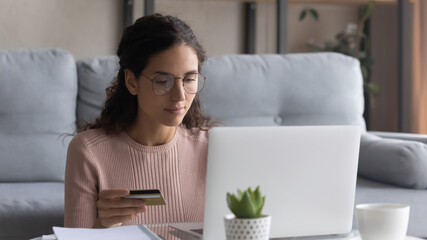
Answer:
(290, 89)
(38, 90)
(94, 76)
(267, 90)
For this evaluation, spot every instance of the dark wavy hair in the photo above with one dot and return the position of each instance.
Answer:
(147, 36)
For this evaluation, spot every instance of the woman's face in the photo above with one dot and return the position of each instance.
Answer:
(169, 109)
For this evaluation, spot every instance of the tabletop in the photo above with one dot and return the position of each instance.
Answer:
(169, 233)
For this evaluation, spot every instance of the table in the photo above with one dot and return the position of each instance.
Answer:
(169, 233)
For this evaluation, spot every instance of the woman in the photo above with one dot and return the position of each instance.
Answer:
(150, 135)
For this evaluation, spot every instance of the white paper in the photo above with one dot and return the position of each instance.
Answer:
(49, 237)
(134, 232)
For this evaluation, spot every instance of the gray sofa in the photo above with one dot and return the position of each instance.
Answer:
(44, 91)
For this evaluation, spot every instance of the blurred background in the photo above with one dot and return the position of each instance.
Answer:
(389, 41)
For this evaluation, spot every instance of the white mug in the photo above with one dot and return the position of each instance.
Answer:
(382, 221)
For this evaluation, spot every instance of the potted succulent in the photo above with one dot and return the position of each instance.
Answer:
(247, 221)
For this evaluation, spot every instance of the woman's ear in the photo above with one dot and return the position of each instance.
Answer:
(131, 82)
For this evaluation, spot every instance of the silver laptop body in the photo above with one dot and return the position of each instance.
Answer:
(307, 173)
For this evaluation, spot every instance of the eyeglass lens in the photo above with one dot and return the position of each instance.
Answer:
(163, 83)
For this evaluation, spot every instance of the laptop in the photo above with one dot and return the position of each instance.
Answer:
(307, 173)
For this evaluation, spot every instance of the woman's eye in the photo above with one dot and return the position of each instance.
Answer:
(190, 78)
(161, 82)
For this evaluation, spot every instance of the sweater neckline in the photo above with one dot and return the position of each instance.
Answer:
(159, 148)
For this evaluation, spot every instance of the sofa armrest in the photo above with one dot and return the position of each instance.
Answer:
(394, 161)
(402, 136)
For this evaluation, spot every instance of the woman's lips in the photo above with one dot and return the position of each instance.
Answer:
(176, 111)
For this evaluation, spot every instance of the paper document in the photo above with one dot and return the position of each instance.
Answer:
(134, 232)
(49, 237)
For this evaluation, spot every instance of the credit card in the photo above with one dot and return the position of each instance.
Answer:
(150, 196)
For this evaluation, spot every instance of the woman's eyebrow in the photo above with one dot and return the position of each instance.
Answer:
(191, 72)
(185, 74)
(162, 72)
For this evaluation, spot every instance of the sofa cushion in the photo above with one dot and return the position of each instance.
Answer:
(290, 89)
(29, 210)
(38, 90)
(95, 75)
(399, 162)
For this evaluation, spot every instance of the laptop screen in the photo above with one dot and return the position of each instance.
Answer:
(307, 173)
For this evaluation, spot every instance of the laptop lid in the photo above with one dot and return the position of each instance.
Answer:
(307, 173)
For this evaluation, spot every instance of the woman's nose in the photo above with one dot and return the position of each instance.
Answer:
(178, 91)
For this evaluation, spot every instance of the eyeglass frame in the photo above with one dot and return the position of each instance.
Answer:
(175, 78)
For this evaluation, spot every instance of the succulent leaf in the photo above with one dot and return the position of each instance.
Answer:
(257, 196)
(240, 194)
(247, 204)
(260, 206)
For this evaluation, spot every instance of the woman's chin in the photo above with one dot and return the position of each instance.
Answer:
(173, 122)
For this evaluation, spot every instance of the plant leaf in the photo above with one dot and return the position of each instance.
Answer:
(259, 210)
(369, 61)
(243, 208)
(364, 71)
(259, 201)
(248, 206)
(372, 89)
(302, 14)
(248, 203)
(236, 207)
(229, 201)
(232, 202)
(366, 10)
(314, 13)
(239, 194)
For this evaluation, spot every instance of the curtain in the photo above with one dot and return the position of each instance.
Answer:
(414, 83)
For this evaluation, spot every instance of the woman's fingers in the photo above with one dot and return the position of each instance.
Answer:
(113, 209)
(115, 221)
(113, 193)
(115, 212)
(120, 203)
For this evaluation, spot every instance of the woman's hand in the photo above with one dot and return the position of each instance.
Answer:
(114, 210)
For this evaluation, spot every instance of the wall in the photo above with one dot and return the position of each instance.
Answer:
(384, 109)
(220, 24)
(414, 85)
(85, 28)
(93, 28)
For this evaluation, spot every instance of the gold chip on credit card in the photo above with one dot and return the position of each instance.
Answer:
(150, 196)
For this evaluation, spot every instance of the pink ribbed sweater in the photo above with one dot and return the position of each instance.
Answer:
(96, 161)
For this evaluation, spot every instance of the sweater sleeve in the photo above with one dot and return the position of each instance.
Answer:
(81, 185)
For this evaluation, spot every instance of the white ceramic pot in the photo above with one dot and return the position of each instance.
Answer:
(247, 228)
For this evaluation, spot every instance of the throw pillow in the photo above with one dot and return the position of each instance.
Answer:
(398, 162)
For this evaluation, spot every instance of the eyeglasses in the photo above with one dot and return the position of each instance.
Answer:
(163, 83)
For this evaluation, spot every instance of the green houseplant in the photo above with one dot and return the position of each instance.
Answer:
(247, 221)
(247, 204)
(352, 42)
